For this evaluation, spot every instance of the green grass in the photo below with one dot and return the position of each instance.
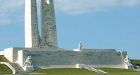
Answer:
(112, 71)
(64, 71)
(3, 59)
(136, 61)
(4, 69)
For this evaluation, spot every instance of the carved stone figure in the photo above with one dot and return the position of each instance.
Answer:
(28, 66)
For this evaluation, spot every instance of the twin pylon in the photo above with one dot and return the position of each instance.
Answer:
(48, 36)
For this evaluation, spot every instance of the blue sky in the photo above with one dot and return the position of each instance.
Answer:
(97, 23)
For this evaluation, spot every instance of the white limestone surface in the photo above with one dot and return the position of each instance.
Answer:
(20, 59)
(28, 33)
(53, 58)
(8, 53)
(11, 54)
(58, 59)
(32, 38)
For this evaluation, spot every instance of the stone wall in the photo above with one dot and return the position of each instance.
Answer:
(49, 58)
(63, 58)
(11, 54)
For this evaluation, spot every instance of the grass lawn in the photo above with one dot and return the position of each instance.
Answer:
(136, 61)
(4, 69)
(3, 59)
(112, 71)
(64, 71)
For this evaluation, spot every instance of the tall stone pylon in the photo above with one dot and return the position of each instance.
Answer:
(49, 36)
(32, 38)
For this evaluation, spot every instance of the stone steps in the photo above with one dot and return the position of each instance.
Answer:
(17, 68)
(91, 68)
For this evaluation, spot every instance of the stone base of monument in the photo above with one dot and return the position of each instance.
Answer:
(43, 58)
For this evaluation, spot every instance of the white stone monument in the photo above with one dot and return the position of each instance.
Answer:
(43, 53)
(32, 38)
(49, 38)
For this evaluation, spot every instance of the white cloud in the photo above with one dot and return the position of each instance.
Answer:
(83, 6)
(4, 21)
(12, 11)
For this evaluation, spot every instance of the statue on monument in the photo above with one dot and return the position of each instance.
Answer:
(28, 66)
(48, 1)
(28, 61)
(80, 46)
